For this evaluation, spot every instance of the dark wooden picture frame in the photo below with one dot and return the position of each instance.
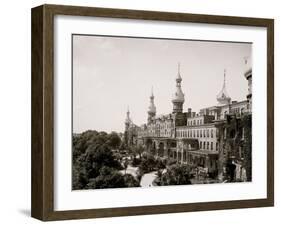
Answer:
(42, 203)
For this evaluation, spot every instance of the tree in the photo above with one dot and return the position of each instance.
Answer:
(107, 178)
(79, 178)
(247, 124)
(94, 161)
(130, 181)
(88, 164)
(110, 178)
(122, 145)
(126, 163)
(138, 150)
(176, 175)
(114, 140)
(98, 156)
(160, 164)
(147, 164)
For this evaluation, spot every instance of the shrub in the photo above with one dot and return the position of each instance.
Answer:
(176, 175)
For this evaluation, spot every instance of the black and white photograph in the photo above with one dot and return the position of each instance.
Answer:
(149, 112)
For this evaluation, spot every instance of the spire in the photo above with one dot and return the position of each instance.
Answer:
(178, 97)
(223, 97)
(128, 119)
(151, 108)
(128, 111)
(179, 79)
(152, 96)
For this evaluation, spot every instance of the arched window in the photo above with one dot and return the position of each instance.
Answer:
(212, 133)
(211, 145)
(208, 145)
(204, 145)
(197, 133)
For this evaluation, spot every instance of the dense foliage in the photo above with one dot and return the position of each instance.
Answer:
(94, 163)
(175, 175)
(247, 123)
(149, 163)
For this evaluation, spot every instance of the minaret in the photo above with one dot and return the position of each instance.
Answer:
(127, 120)
(248, 76)
(178, 97)
(151, 109)
(223, 97)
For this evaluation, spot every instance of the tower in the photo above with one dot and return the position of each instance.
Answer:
(127, 120)
(223, 97)
(248, 76)
(127, 128)
(151, 109)
(178, 97)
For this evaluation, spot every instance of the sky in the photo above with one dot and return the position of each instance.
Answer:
(112, 74)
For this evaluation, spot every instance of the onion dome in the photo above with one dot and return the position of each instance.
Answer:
(223, 98)
(248, 67)
(178, 96)
(152, 108)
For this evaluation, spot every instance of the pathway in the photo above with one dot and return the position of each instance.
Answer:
(147, 179)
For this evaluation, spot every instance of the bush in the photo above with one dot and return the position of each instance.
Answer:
(110, 178)
(160, 164)
(176, 175)
(147, 164)
(171, 162)
(136, 162)
(92, 151)
(107, 178)
(130, 181)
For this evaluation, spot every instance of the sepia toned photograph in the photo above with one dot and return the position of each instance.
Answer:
(150, 112)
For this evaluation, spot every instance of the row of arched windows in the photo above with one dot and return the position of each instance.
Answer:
(196, 133)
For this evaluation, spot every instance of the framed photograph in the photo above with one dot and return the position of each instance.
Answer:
(142, 112)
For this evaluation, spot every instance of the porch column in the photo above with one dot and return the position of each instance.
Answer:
(207, 163)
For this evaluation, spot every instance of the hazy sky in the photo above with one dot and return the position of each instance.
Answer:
(111, 73)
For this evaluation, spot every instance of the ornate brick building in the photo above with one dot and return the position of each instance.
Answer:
(202, 140)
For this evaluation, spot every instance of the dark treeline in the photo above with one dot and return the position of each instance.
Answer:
(98, 158)
(95, 164)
